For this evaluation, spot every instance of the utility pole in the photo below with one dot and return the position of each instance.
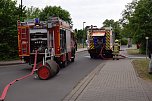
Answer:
(21, 11)
(146, 46)
(83, 34)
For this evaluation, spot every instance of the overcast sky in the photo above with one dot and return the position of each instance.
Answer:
(93, 12)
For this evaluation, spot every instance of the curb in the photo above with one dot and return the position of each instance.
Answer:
(81, 50)
(7, 64)
(79, 88)
(137, 57)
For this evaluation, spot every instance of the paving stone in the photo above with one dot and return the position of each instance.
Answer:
(117, 81)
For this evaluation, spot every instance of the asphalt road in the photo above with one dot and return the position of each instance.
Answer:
(54, 89)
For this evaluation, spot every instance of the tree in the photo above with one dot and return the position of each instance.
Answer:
(49, 11)
(127, 13)
(139, 22)
(9, 14)
(8, 30)
(32, 12)
(80, 35)
(115, 25)
(126, 16)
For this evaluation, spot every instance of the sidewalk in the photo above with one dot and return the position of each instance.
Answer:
(116, 80)
(15, 62)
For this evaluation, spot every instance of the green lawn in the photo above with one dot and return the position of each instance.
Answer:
(141, 67)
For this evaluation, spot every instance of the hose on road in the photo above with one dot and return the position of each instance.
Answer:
(4, 93)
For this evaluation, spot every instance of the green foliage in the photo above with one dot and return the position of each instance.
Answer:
(49, 11)
(115, 25)
(80, 35)
(8, 29)
(9, 14)
(137, 21)
(32, 12)
(127, 13)
(126, 16)
(124, 41)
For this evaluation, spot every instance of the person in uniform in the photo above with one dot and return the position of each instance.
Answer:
(116, 49)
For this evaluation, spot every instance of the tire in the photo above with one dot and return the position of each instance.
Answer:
(72, 59)
(63, 64)
(91, 55)
(95, 56)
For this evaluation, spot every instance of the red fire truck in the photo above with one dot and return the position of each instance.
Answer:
(54, 41)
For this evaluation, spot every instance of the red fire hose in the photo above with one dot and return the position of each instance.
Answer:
(14, 81)
(101, 54)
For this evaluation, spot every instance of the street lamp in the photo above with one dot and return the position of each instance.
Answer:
(146, 45)
(21, 11)
(83, 34)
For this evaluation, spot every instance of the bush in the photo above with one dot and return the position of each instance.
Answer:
(124, 41)
(7, 53)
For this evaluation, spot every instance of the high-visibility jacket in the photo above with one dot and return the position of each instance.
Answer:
(116, 48)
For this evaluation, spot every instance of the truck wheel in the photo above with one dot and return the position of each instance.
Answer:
(92, 56)
(44, 72)
(95, 56)
(63, 64)
(72, 59)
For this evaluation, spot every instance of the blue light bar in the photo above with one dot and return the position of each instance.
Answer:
(37, 20)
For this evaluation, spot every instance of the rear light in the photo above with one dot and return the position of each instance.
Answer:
(58, 49)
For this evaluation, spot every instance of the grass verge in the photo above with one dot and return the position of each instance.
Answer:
(141, 67)
(133, 51)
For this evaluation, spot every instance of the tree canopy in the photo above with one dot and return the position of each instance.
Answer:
(55, 11)
(10, 13)
(8, 30)
(115, 25)
(32, 12)
(137, 21)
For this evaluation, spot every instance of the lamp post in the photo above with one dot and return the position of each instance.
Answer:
(146, 45)
(21, 11)
(83, 34)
